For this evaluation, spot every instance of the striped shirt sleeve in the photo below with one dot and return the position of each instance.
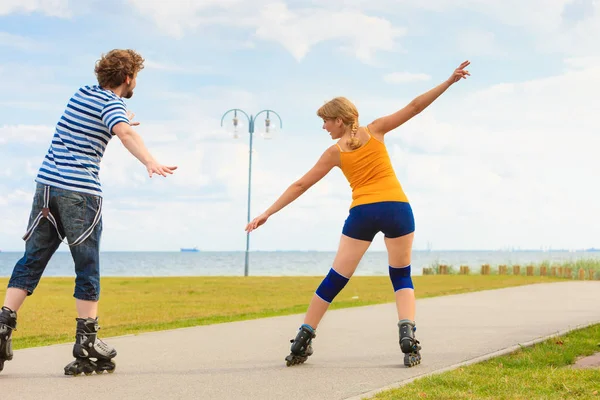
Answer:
(114, 112)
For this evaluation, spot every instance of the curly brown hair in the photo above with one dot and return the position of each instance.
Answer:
(115, 66)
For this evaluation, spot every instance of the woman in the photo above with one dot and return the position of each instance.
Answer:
(379, 204)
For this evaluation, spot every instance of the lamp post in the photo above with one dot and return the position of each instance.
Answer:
(268, 130)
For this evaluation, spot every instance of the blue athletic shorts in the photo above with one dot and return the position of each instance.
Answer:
(393, 218)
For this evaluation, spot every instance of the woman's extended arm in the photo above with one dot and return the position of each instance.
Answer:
(383, 125)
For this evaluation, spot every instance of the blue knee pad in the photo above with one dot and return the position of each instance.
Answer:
(331, 285)
(400, 278)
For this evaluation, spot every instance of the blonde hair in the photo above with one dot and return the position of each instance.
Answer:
(341, 107)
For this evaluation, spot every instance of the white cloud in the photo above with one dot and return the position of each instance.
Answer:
(477, 42)
(52, 8)
(19, 71)
(29, 105)
(578, 38)
(568, 26)
(548, 21)
(533, 14)
(20, 42)
(297, 30)
(39, 75)
(18, 197)
(583, 62)
(405, 77)
(175, 21)
(167, 67)
(510, 164)
(25, 134)
(537, 15)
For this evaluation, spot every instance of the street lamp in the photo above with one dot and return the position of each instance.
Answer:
(267, 133)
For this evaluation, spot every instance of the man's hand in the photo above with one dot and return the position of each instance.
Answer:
(134, 143)
(155, 168)
(130, 116)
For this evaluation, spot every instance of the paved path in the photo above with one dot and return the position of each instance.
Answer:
(356, 350)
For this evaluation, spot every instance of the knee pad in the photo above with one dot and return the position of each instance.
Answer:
(400, 278)
(331, 286)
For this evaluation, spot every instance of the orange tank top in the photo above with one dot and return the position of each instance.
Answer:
(369, 171)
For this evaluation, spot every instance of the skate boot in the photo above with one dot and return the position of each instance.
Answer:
(408, 344)
(301, 346)
(8, 323)
(91, 354)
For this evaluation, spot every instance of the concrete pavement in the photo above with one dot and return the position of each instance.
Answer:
(356, 349)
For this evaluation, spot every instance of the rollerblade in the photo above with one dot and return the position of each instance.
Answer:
(8, 323)
(301, 346)
(408, 344)
(91, 354)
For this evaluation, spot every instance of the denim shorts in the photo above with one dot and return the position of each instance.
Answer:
(74, 213)
(393, 218)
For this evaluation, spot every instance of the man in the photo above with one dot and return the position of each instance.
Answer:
(67, 205)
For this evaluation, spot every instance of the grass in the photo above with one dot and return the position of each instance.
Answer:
(591, 264)
(134, 305)
(538, 372)
(585, 264)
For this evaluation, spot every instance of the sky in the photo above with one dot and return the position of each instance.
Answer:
(505, 159)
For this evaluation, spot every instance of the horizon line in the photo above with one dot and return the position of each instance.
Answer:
(512, 250)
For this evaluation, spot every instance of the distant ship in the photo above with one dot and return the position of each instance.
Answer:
(190, 250)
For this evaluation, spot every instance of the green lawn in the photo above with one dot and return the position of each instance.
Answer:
(539, 372)
(133, 305)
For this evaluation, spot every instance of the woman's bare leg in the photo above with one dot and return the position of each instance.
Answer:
(399, 255)
(349, 254)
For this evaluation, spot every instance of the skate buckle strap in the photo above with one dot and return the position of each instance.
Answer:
(45, 213)
(12, 318)
(8, 329)
(8, 326)
(103, 345)
(308, 327)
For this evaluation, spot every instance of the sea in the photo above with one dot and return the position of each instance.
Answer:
(282, 263)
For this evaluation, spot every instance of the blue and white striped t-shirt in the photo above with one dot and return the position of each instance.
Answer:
(81, 136)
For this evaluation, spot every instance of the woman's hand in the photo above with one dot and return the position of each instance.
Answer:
(460, 73)
(256, 222)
